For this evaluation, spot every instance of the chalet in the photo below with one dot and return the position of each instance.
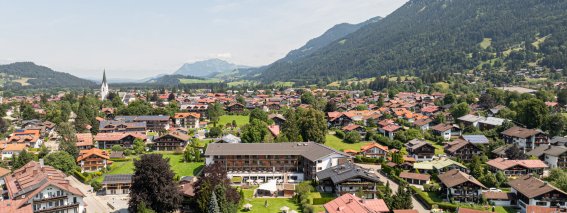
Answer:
(475, 139)
(12, 150)
(420, 150)
(170, 142)
(499, 198)
(461, 187)
(273, 106)
(348, 178)
(422, 124)
(439, 166)
(31, 138)
(349, 203)
(108, 112)
(429, 110)
(514, 168)
(107, 126)
(490, 123)
(235, 108)
(470, 120)
(374, 150)
(554, 156)
(116, 184)
(84, 141)
(124, 139)
(446, 130)
(277, 118)
(354, 128)
(390, 130)
(93, 160)
(230, 138)
(36, 187)
(415, 178)
(462, 149)
(186, 120)
(532, 191)
(526, 139)
(338, 119)
(274, 130)
(153, 122)
(198, 108)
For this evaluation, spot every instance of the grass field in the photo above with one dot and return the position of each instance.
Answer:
(486, 42)
(196, 81)
(274, 204)
(539, 41)
(240, 83)
(23, 81)
(241, 120)
(283, 84)
(336, 143)
(439, 150)
(501, 209)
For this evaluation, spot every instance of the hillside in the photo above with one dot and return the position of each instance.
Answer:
(207, 68)
(424, 37)
(180, 79)
(28, 74)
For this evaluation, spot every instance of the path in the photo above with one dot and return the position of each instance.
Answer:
(394, 186)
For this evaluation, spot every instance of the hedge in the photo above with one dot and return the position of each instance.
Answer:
(322, 200)
(79, 176)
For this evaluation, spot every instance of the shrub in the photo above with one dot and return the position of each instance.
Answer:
(352, 137)
(340, 134)
(322, 200)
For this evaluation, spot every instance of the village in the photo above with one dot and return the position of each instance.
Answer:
(287, 150)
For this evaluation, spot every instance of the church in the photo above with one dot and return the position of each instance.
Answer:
(104, 87)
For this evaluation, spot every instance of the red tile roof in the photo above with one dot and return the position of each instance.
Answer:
(503, 164)
(348, 203)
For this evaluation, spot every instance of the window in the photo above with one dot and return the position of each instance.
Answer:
(541, 203)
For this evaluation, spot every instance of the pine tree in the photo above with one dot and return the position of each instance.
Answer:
(213, 204)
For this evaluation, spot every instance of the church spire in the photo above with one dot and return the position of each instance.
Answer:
(104, 76)
(104, 86)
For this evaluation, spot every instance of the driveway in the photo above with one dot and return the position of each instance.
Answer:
(93, 202)
(394, 186)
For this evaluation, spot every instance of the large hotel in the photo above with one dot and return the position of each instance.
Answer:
(290, 162)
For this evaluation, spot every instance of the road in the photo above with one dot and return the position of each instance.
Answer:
(394, 186)
(94, 204)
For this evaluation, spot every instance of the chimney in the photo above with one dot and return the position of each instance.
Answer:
(41, 163)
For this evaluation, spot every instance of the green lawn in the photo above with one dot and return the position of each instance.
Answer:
(336, 143)
(439, 150)
(241, 120)
(486, 42)
(274, 204)
(195, 81)
(502, 209)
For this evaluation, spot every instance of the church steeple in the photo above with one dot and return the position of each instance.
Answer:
(104, 86)
(104, 76)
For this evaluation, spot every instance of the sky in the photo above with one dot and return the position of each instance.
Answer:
(135, 39)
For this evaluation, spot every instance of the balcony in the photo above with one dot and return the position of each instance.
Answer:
(47, 199)
(56, 208)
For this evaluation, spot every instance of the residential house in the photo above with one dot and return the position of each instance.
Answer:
(499, 198)
(338, 119)
(170, 142)
(439, 166)
(108, 126)
(39, 188)
(490, 123)
(93, 160)
(274, 130)
(390, 130)
(446, 130)
(30, 138)
(348, 178)
(421, 150)
(462, 149)
(349, 203)
(531, 191)
(461, 187)
(123, 139)
(354, 128)
(476, 139)
(116, 184)
(291, 162)
(514, 168)
(11, 150)
(277, 118)
(526, 139)
(422, 124)
(84, 141)
(153, 122)
(186, 120)
(230, 138)
(374, 150)
(235, 108)
(415, 178)
(470, 120)
(554, 156)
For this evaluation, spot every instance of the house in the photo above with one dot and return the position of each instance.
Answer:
(446, 130)
(170, 142)
(123, 139)
(490, 123)
(554, 156)
(415, 178)
(117, 155)
(338, 119)
(542, 209)
(116, 184)
(462, 149)
(475, 139)
(356, 128)
(499, 198)
(230, 138)
(501, 151)
(349, 203)
(470, 120)
(39, 188)
(390, 130)
(108, 126)
(461, 187)
(348, 178)
(374, 150)
(153, 122)
(530, 191)
(526, 139)
(84, 141)
(12, 150)
(93, 160)
(274, 130)
(277, 118)
(466, 210)
(186, 120)
(30, 138)
(235, 108)
(420, 150)
(439, 166)
(514, 168)
(291, 162)
(422, 124)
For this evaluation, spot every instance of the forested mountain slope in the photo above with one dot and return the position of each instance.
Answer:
(28, 74)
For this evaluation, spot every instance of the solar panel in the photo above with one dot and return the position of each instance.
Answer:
(478, 139)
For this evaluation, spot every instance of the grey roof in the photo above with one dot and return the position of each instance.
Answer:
(502, 150)
(343, 172)
(476, 139)
(471, 118)
(559, 140)
(310, 150)
(492, 121)
(230, 138)
(538, 151)
(143, 118)
(112, 179)
(555, 150)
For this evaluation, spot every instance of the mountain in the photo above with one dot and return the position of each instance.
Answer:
(207, 68)
(28, 74)
(425, 37)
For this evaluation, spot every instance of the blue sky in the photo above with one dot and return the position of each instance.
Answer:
(136, 39)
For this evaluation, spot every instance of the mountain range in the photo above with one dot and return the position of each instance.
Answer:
(30, 75)
(207, 68)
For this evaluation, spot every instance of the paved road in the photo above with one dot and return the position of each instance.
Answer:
(416, 204)
(94, 204)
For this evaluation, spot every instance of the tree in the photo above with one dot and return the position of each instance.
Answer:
(142, 208)
(352, 137)
(489, 180)
(259, 114)
(117, 148)
(531, 112)
(402, 199)
(307, 98)
(313, 125)
(555, 124)
(214, 132)
(171, 97)
(21, 159)
(290, 128)
(562, 97)
(68, 139)
(331, 106)
(153, 184)
(213, 204)
(215, 111)
(139, 146)
(459, 110)
(254, 132)
(515, 153)
(213, 179)
(449, 98)
(486, 101)
(61, 160)
(43, 151)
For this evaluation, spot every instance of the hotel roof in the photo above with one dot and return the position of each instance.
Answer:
(310, 150)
